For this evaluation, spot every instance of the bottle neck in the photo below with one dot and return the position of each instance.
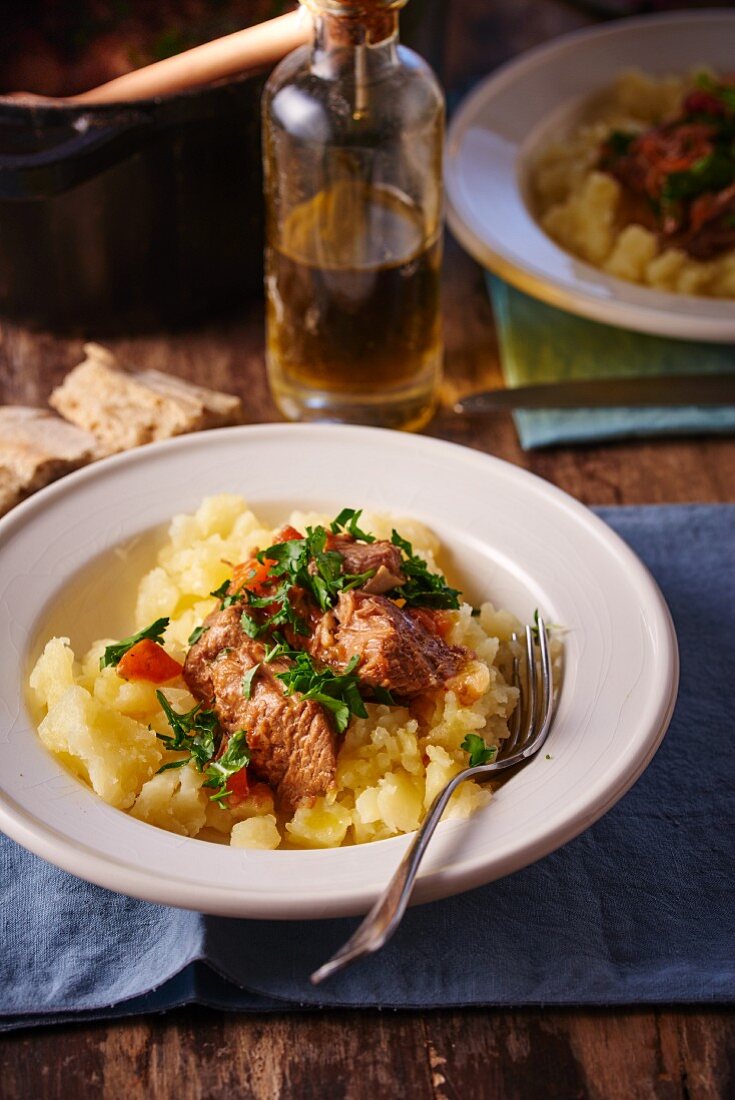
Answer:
(364, 43)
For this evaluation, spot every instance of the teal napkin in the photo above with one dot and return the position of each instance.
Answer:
(539, 343)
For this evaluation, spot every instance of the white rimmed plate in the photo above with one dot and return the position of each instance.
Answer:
(510, 537)
(509, 117)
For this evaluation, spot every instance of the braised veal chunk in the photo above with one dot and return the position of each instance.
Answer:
(381, 558)
(291, 740)
(394, 648)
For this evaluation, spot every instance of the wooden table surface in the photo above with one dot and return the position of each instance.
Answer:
(671, 1054)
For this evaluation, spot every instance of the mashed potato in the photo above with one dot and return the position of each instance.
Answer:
(581, 208)
(390, 765)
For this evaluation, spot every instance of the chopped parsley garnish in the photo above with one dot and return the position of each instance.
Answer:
(247, 680)
(347, 521)
(226, 597)
(114, 653)
(307, 563)
(338, 692)
(197, 732)
(478, 750)
(196, 634)
(422, 588)
(235, 757)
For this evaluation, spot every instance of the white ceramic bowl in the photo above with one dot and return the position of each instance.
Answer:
(509, 117)
(509, 536)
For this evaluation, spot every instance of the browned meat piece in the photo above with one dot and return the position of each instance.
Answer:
(359, 557)
(395, 650)
(291, 740)
(711, 228)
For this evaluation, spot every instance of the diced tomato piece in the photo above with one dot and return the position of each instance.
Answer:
(149, 661)
(238, 784)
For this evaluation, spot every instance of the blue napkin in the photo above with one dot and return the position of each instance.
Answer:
(639, 909)
(539, 343)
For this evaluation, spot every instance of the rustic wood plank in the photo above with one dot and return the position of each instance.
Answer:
(196, 1054)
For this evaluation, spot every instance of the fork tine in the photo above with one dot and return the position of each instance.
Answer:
(532, 693)
(547, 689)
(511, 742)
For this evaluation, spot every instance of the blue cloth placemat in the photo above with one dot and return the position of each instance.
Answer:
(639, 909)
(539, 343)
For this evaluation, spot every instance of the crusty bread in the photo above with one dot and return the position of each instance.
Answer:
(35, 448)
(126, 408)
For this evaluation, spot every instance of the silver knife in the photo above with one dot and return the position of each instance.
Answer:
(605, 393)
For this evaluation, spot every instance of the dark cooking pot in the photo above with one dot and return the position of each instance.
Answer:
(131, 216)
(136, 215)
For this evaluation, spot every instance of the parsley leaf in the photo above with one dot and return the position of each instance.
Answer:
(479, 751)
(196, 732)
(114, 653)
(422, 588)
(247, 680)
(196, 634)
(347, 521)
(235, 757)
(338, 692)
(226, 597)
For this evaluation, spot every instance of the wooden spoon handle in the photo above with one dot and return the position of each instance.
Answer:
(252, 48)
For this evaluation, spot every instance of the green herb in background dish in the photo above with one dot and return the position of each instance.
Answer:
(347, 521)
(713, 172)
(724, 92)
(114, 653)
(235, 757)
(422, 588)
(619, 142)
(338, 692)
(478, 750)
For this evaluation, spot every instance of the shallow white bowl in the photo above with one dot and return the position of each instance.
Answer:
(509, 117)
(509, 536)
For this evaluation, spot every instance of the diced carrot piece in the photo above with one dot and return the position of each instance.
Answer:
(147, 660)
(251, 575)
(287, 534)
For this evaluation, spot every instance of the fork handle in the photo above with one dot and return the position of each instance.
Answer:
(385, 916)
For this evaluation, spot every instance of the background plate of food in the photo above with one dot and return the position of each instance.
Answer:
(238, 666)
(597, 173)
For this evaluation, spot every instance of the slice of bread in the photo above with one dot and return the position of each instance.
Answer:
(35, 448)
(126, 408)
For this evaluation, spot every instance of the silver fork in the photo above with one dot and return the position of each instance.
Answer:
(529, 728)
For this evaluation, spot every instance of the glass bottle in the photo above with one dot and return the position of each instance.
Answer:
(353, 135)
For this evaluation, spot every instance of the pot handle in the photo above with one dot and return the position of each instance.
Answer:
(50, 171)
